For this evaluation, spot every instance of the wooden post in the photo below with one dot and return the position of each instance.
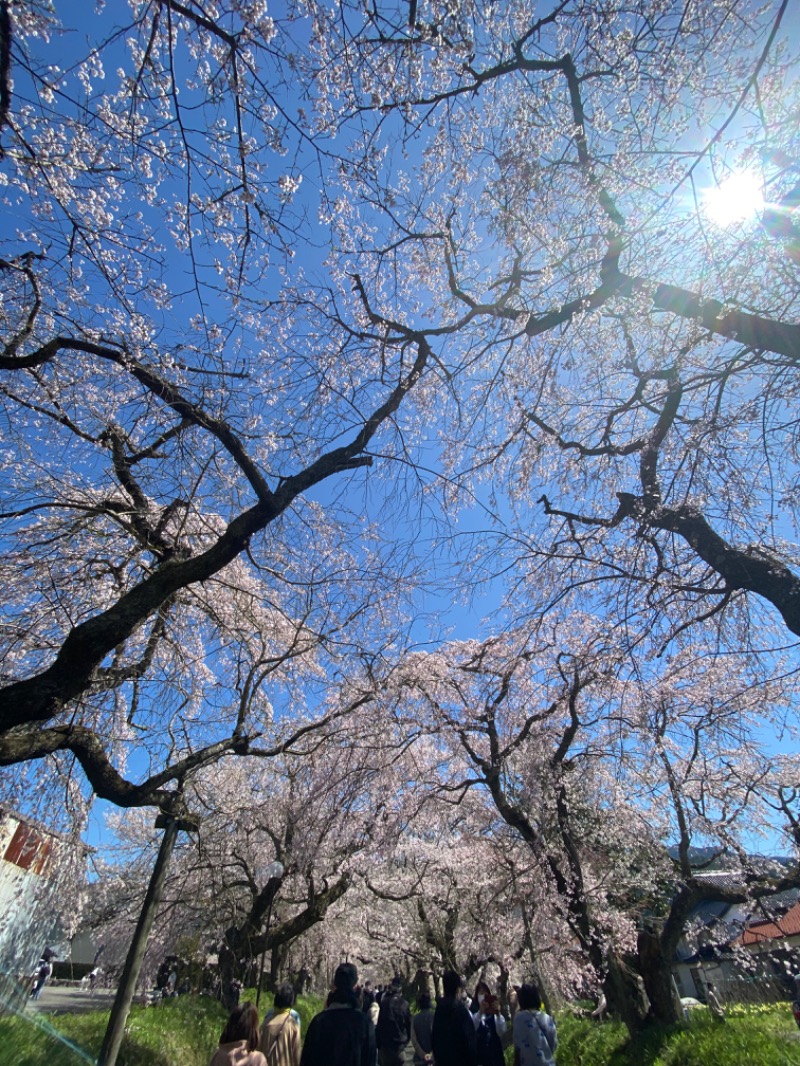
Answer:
(275, 870)
(133, 963)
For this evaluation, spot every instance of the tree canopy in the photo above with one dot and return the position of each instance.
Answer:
(320, 323)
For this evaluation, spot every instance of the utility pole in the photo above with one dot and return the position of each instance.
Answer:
(133, 963)
(274, 871)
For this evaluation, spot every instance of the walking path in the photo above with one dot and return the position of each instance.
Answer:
(63, 999)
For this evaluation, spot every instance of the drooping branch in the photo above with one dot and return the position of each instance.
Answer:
(756, 331)
(38, 698)
(85, 647)
(749, 569)
(154, 383)
(750, 330)
(250, 938)
(316, 909)
(569, 882)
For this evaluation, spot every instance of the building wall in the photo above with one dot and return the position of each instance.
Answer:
(28, 892)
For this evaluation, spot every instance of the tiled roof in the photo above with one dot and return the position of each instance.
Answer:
(759, 932)
(780, 901)
(723, 880)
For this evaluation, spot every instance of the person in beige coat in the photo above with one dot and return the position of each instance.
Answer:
(238, 1045)
(280, 1033)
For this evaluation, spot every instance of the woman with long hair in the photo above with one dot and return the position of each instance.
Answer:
(238, 1045)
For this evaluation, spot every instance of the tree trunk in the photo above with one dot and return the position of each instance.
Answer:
(235, 958)
(245, 943)
(535, 970)
(277, 962)
(625, 994)
(656, 972)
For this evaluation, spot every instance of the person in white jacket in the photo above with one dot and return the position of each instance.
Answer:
(534, 1032)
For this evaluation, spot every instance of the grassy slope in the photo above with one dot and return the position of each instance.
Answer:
(181, 1032)
(184, 1032)
(761, 1037)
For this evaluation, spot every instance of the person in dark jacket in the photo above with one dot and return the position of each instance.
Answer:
(489, 1027)
(393, 1030)
(453, 1037)
(421, 1031)
(341, 1035)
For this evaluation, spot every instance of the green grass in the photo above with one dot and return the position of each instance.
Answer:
(185, 1031)
(178, 1032)
(759, 1037)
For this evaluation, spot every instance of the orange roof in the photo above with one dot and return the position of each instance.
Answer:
(758, 932)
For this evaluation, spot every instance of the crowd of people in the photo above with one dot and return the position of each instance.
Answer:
(362, 1026)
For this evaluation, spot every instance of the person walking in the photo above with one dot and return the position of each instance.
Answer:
(340, 1035)
(284, 993)
(422, 1031)
(534, 1032)
(41, 975)
(238, 1045)
(369, 1005)
(453, 1035)
(280, 1031)
(481, 991)
(393, 1031)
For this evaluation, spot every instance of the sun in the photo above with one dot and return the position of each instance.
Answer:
(736, 199)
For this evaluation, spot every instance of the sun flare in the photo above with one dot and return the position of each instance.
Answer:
(736, 199)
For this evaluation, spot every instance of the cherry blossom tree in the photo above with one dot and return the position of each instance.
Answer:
(316, 814)
(221, 891)
(618, 358)
(172, 394)
(599, 768)
(321, 808)
(506, 220)
(290, 294)
(516, 731)
(441, 893)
